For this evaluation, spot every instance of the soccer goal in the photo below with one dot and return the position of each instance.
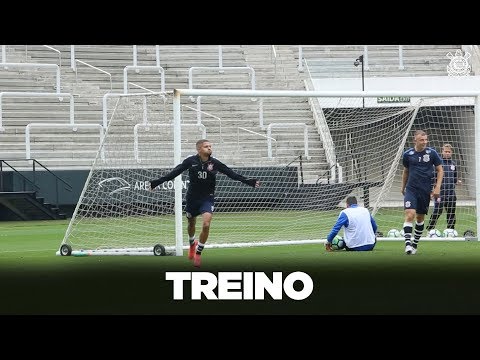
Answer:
(309, 149)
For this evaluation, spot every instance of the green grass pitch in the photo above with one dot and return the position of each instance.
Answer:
(443, 278)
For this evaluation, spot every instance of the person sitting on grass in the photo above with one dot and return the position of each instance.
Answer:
(360, 228)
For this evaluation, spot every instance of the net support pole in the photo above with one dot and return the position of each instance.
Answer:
(477, 166)
(177, 152)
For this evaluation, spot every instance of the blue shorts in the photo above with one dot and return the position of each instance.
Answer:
(197, 206)
(420, 201)
(368, 247)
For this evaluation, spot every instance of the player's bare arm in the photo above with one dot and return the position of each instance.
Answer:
(438, 184)
(404, 180)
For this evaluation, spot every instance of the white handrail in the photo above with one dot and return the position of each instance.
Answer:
(109, 95)
(135, 55)
(220, 57)
(51, 48)
(260, 113)
(199, 111)
(300, 58)
(51, 125)
(365, 57)
(252, 132)
(400, 57)
(73, 66)
(145, 114)
(55, 67)
(14, 94)
(274, 54)
(210, 68)
(199, 119)
(164, 98)
(93, 67)
(256, 133)
(131, 67)
(147, 128)
(157, 55)
(305, 136)
(59, 54)
(141, 87)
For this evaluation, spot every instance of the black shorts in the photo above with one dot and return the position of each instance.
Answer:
(197, 206)
(418, 200)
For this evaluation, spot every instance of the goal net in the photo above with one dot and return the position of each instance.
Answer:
(309, 153)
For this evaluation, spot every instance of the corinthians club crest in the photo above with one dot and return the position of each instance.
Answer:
(459, 65)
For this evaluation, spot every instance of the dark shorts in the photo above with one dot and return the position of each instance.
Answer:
(420, 201)
(197, 206)
(368, 247)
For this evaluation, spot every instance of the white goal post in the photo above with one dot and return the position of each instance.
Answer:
(277, 216)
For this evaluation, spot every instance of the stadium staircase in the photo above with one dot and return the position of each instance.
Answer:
(24, 189)
(26, 205)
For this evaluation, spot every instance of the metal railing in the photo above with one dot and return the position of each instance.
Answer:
(157, 55)
(23, 177)
(93, 67)
(163, 97)
(249, 69)
(50, 48)
(300, 162)
(139, 68)
(220, 57)
(14, 94)
(273, 57)
(111, 95)
(141, 87)
(199, 111)
(199, 117)
(365, 57)
(33, 183)
(277, 125)
(199, 120)
(69, 126)
(55, 67)
(255, 133)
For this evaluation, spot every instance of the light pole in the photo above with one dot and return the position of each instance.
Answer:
(357, 62)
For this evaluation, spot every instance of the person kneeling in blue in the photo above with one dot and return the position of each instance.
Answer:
(360, 228)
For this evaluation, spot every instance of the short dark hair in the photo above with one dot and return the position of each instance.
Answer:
(200, 142)
(351, 200)
(419, 132)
